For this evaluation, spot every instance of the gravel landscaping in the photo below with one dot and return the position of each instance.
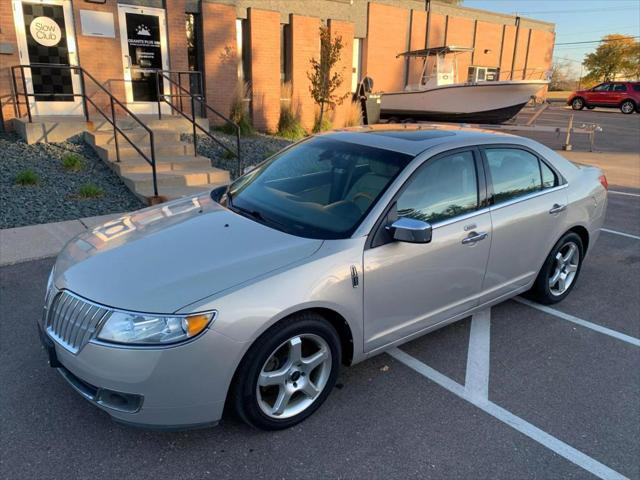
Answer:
(59, 193)
(254, 149)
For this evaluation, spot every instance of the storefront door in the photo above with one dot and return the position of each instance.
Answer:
(144, 49)
(46, 35)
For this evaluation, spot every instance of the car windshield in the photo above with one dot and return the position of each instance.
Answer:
(320, 188)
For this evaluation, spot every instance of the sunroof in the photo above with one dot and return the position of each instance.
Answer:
(414, 135)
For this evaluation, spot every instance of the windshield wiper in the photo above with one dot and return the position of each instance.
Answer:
(253, 214)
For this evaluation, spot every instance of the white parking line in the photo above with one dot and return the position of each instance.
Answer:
(624, 193)
(579, 321)
(558, 446)
(615, 232)
(478, 358)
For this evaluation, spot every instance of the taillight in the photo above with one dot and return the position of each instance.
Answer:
(603, 182)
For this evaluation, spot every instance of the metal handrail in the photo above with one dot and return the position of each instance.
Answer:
(86, 98)
(195, 125)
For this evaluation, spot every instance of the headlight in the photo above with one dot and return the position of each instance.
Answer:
(129, 327)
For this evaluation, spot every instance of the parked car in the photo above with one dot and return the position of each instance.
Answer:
(622, 95)
(328, 253)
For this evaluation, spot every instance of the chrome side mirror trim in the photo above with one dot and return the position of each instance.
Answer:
(410, 230)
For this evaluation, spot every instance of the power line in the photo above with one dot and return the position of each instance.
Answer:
(600, 41)
(580, 11)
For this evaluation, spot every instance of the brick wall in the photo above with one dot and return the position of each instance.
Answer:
(387, 35)
(507, 52)
(417, 41)
(488, 37)
(177, 36)
(305, 44)
(264, 31)
(345, 30)
(101, 57)
(220, 56)
(460, 34)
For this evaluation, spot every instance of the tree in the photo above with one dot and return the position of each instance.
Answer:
(562, 77)
(324, 83)
(617, 55)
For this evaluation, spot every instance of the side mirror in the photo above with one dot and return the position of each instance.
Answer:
(410, 230)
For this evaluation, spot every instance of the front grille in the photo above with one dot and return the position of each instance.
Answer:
(73, 321)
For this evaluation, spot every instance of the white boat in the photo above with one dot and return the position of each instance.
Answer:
(441, 97)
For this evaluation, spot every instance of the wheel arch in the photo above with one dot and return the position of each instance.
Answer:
(583, 233)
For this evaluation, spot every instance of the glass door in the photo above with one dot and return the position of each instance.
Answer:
(46, 36)
(144, 49)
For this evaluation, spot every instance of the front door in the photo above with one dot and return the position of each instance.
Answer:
(46, 36)
(412, 286)
(144, 51)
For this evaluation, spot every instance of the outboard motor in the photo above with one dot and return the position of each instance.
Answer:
(369, 102)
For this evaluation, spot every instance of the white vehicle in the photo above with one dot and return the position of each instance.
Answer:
(441, 97)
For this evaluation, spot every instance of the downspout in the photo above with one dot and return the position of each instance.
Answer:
(515, 47)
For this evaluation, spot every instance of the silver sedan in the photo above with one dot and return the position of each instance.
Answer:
(326, 254)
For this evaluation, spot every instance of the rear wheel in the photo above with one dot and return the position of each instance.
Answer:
(560, 271)
(627, 107)
(288, 373)
(577, 103)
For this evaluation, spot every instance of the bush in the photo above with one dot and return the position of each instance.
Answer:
(72, 162)
(90, 190)
(289, 123)
(238, 112)
(27, 177)
(353, 114)
(321, 127)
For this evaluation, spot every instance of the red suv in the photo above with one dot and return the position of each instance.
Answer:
(622, 95)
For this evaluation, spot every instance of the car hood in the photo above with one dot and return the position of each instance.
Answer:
(162, 258)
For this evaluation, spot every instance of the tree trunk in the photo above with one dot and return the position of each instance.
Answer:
(321, 115)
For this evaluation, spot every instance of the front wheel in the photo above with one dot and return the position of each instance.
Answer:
(560, 271)
(627, 107)
(288, 372)
(577, 103)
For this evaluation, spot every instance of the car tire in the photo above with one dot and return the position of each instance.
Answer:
(560, 271)
(577, 103)
(627, 107)
(276, 386)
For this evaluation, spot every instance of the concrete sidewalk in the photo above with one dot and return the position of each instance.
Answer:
(23, 244)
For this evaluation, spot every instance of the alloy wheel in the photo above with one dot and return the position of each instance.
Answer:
(565, 269)
(627, 107)
(577, 104)
(294, 376)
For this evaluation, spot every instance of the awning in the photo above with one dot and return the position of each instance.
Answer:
(425, 52)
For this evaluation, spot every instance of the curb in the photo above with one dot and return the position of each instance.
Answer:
(34, 242)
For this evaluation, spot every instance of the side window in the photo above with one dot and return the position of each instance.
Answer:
(514, 173)
(619, 87)
(442, 188)
(636, 87)
(549, 178)
(603, 87)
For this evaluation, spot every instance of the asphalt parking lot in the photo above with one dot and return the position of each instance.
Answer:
(620, 132)
(517, 393)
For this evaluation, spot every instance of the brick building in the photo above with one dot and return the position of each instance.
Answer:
(262, 42)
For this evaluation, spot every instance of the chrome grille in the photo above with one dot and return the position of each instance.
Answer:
(73, 321)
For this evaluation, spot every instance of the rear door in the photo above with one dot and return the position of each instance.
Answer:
(528, 202)
(412, 286)
(618, 93)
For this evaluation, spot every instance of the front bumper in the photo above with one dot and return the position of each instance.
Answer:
(178, 387)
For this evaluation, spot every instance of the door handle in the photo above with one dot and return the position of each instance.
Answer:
(557, 208)
(474, 237)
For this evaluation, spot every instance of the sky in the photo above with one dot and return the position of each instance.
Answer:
(576, 20)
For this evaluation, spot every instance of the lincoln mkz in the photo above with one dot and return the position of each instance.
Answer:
(252, 297)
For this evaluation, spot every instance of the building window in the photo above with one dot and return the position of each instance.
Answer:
(482, 74)
(244, 50)
(285, 53)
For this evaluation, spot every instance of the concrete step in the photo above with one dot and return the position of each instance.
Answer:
(50, 128)
(176, 178)
(138, 135)
(127, 152)
(173, 123)
(163, 164)
(171, 193)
